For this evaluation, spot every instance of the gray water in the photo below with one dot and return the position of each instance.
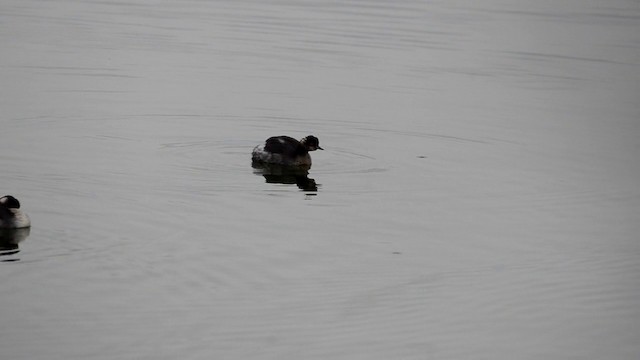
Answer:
(478, 198)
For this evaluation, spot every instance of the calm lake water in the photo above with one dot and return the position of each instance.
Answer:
(478, 198)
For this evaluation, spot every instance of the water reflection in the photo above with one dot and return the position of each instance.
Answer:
(280, 174)
(9, 240)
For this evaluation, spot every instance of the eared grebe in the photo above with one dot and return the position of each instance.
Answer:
(285, 150)
(11, 217)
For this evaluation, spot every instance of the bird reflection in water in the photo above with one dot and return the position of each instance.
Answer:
(281, 174)
(9, 240)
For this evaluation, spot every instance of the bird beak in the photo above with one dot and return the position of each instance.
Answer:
(319, 148)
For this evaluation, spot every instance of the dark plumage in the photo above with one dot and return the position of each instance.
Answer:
(9, 202)
(285, 150)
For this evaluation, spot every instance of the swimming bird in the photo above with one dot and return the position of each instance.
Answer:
(11, 217)
(285, 150)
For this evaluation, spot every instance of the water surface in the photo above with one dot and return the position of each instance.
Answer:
(478, 197)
